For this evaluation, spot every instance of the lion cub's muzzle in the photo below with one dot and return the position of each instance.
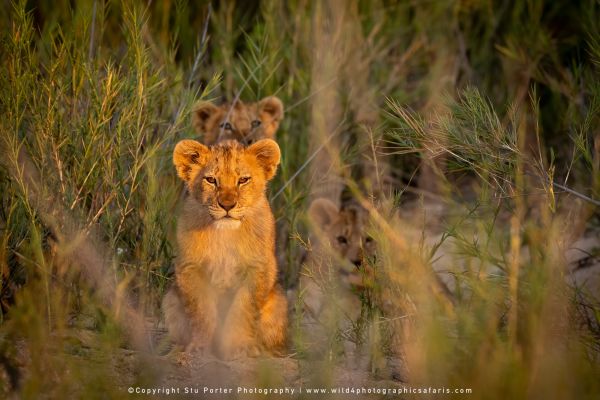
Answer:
(227, 215)
(227, 200)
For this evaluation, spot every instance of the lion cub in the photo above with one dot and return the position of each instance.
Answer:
(243, 122)
(341, 255)
(225, 298)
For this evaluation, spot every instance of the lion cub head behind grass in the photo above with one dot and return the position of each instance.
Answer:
(345, 230)
(225, 298)
(244, 122)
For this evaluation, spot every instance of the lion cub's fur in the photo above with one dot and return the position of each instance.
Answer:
(225, 297)
(244, 122)
(335, 272)
(342, 238)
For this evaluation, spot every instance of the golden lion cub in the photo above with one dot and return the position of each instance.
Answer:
(225, 297)
(243, 122)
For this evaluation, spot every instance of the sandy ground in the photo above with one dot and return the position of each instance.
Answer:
(179, 375)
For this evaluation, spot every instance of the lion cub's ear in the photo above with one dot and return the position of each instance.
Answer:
(189, 154)
(268, 155)
(270, 111)
(202, 116)
(323, 212)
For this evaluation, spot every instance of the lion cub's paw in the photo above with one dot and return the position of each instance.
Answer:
(192, 351)
(233, 353)
(182, 358)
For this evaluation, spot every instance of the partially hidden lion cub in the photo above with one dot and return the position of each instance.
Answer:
(244, 122)
(341, 253)
(225, 298)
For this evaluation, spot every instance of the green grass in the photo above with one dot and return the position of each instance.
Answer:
(94, 98)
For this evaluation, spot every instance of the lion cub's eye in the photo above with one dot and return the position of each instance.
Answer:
(368, 239)
(342, 240)
(243, 179)
(210, 180)
(227, 126)
(256, 123)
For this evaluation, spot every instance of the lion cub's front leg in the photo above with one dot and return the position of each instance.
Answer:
(238, 338)
(273, 321)
(201, 306)
(203, 317)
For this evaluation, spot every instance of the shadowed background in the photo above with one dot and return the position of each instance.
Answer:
(467, 130)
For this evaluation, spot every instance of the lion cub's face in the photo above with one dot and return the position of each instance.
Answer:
(227, 180)
(345, 230)
(245, 123)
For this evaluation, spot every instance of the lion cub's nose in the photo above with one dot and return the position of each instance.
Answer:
(227, 206)
(227, 202)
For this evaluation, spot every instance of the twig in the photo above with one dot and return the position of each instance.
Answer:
(384, 320)
(201, 48)
(576, 194)
(567, 189)
(93, 32)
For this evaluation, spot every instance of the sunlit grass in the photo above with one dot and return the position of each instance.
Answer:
(94, 98)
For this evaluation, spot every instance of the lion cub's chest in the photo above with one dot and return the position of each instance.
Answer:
(222, 259)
